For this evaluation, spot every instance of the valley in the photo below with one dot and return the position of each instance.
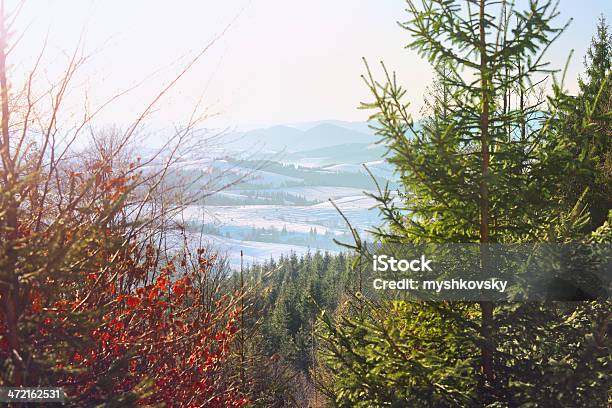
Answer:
(281, 204)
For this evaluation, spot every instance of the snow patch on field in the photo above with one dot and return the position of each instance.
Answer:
(321, 193)
(254, 252)
(300, 219)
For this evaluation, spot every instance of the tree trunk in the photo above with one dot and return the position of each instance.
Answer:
(486, 307)
(10, 287)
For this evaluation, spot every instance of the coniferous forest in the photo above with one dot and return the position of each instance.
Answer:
(106, 293)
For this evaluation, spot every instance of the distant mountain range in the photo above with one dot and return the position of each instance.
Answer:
(348, 153)
(361, 127)
(306, 137)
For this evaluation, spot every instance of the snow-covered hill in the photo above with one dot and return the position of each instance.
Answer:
(282, 204)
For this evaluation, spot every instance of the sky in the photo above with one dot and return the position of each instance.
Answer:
(277, 61)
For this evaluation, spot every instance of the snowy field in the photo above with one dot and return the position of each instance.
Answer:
(323, 216)
(254, 252)
(234, 224)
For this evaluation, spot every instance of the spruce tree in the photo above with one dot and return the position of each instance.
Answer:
(466, 175)
(491, 169)
(595, 103)
(598, 62)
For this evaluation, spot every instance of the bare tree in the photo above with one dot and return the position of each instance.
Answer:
(50, 186)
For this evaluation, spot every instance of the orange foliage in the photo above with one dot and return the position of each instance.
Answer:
(110, 338)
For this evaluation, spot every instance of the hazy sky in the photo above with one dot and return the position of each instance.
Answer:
(281, 61)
